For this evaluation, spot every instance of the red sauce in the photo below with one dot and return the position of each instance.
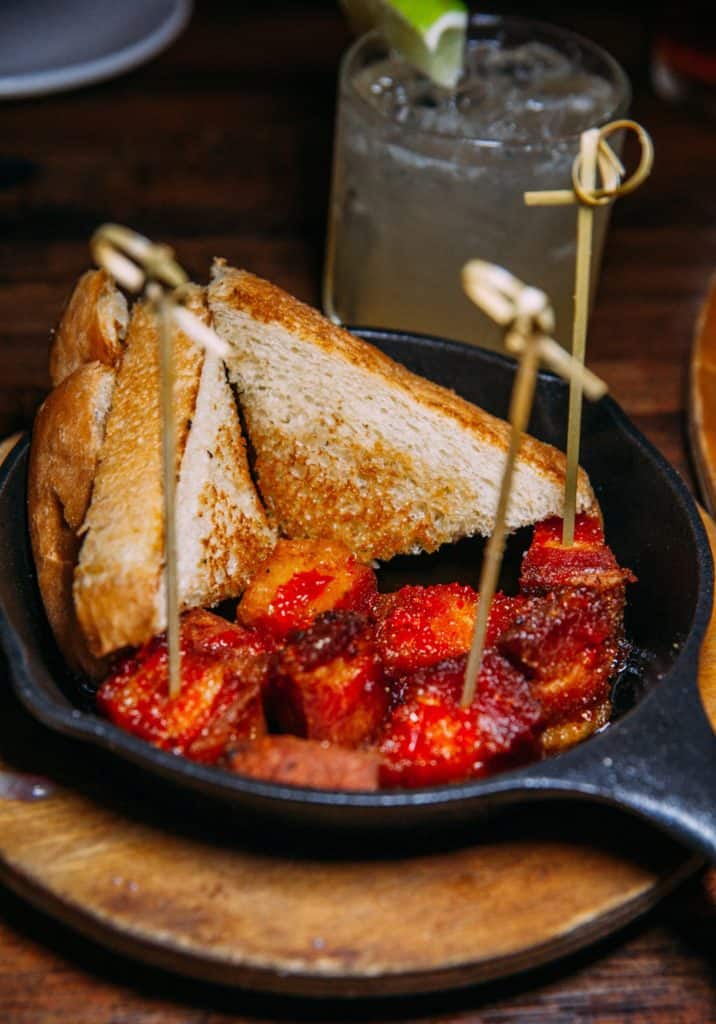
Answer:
(294, 596)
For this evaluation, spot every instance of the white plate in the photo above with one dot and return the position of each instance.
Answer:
(52, 45)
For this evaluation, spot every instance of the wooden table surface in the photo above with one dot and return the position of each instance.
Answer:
(221, 146)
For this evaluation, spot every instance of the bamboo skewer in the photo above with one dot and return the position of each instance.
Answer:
(595, 157)
(167, 376)
(585, 231)
(520, 407)
(527, 314)
(138, 264)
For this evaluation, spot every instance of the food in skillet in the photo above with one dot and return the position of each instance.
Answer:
(381, 674)
(350, 459)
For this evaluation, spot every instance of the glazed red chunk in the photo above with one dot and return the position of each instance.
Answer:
(326, 682)
(212, 634)
(298, 762)
(299, 580)
(548, 564)
(220, 697)
(421, 626)
(429, 739)
(564, 643)
(549, 567)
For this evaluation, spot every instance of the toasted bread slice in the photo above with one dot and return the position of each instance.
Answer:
(222, 528)
(352, 446)
(66, 442)
(92, 326)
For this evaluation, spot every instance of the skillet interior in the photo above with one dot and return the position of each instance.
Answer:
(651, 523)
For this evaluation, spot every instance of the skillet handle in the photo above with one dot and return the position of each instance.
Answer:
(659, 762)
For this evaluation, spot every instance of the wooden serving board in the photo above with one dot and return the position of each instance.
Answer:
(702, 398)
(534, 885)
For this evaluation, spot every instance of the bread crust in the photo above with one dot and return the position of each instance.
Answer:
(117, 579)
(92, 326)
(66, 442)
(352, 500)
(222, 528)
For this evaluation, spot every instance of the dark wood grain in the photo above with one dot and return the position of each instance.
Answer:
(222, 146)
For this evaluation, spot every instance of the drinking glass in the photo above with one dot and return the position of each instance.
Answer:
(424, 180)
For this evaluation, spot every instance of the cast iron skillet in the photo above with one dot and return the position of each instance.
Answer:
(657, 760)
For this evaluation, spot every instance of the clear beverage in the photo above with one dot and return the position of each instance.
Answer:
(424, 180)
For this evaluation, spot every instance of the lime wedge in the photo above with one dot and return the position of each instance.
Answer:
(429, 34)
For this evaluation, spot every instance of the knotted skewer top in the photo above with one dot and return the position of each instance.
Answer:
(133, 260)
(610, 169)
(525, 311)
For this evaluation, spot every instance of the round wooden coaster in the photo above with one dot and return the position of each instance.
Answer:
(321, 926)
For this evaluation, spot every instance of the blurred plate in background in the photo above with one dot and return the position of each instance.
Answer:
(46, 46)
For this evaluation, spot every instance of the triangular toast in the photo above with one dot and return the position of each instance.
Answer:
(350, 445)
